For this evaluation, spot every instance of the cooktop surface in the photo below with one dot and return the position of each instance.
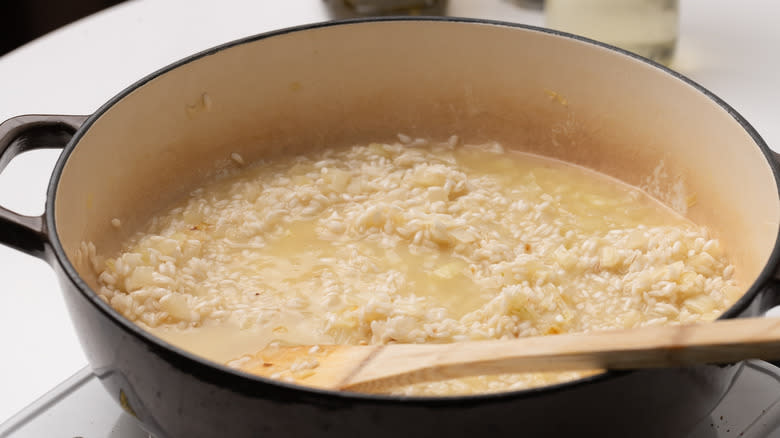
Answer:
(79, 407)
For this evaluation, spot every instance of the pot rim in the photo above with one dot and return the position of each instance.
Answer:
(227, 374)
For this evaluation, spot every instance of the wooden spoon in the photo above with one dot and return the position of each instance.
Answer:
(372, 368)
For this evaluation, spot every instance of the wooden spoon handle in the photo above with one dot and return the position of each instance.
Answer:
(664, 346)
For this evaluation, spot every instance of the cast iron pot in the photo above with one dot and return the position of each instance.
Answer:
(359, 81)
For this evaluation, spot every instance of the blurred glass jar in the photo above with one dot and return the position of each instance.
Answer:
(646, 27)
(392, 7)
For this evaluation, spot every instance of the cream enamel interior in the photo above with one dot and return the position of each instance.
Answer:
(364, 82)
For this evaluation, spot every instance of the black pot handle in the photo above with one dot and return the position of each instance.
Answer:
(21, 134)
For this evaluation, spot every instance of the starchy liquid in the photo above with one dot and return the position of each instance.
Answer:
(412, 242)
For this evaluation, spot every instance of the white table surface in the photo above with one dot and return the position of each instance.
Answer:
(729, 47)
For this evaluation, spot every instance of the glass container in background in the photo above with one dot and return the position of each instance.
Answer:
(367, 8)
(646, 27)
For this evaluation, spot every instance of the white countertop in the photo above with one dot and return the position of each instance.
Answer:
(729, 47)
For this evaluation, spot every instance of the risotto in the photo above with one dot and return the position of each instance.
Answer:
(412, 242)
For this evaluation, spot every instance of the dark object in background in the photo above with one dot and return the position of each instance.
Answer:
(23, 21)
(340, 9)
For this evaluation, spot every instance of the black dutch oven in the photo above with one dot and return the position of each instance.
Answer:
(342, 83)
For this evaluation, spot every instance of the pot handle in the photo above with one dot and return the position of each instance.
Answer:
(21, 134)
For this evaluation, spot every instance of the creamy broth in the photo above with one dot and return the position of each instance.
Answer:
(420, 242)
